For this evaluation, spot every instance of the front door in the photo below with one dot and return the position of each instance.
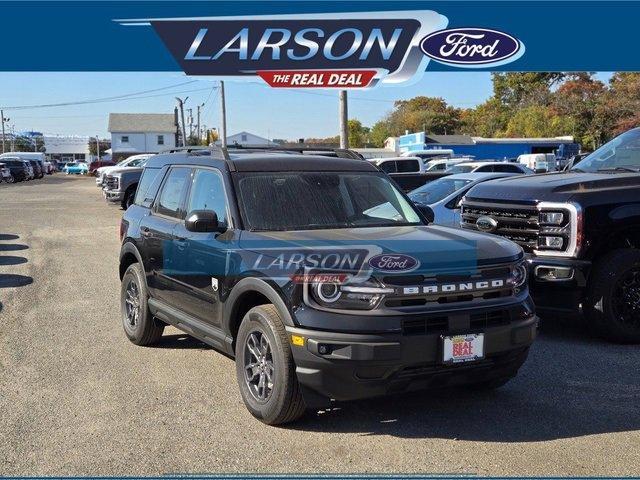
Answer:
(204, 257)
(157, 230)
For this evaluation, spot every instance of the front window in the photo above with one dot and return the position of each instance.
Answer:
(620, 154)
(321, 200)
(437, 190)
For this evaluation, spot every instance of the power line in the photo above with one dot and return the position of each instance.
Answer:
(97, 100)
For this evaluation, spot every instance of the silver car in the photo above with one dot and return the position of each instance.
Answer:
(440, 199)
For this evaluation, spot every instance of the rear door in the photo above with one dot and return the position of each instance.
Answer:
(157, 231)
(204, 256)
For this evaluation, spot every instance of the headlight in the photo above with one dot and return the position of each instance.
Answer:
(356, 296)
(519, 274)
(551, 218)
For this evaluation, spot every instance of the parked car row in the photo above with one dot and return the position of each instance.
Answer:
(23, 166)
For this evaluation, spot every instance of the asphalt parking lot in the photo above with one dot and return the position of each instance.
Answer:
(76, 398)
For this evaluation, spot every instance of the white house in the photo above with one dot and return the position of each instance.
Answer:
(247, 139)
(67, 148)
(142, 133)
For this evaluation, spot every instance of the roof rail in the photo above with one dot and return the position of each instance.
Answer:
(215, 151)
(338, 152)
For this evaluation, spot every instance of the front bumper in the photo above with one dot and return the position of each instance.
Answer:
(368, 365)
(113, 195)
(557, 295)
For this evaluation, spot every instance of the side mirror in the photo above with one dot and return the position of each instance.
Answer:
(203, 221)
(427, 211)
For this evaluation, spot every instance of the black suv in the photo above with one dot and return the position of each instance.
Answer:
(580, 230)
(318, 275)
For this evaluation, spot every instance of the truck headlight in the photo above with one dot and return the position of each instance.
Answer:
(356, 296)
(551, 218)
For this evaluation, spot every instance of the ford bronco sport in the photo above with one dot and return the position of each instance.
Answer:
(318, 275)
(580, 230)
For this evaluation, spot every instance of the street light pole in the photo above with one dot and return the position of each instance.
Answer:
(223, 137)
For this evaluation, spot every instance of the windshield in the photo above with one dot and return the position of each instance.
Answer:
(318, 200)
(460, 169)
(437, 190)
(620, 154)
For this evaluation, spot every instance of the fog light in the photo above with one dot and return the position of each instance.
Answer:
(324, 349)
(553, 274)
(554, 243)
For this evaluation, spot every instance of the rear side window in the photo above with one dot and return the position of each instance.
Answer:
(406, 166)
(171, 197)
(388, 167)
(486, 168)
(207, 193)
(144, 193)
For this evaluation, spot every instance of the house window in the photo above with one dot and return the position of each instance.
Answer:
(160, 139)
(124, 139)
(243, 138)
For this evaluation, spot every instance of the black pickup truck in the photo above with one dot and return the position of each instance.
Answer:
(581, 233)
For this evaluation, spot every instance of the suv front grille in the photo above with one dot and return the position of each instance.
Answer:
(112, 183)
(439, 324)
(518, 223)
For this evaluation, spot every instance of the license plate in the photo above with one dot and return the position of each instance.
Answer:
(463, 348)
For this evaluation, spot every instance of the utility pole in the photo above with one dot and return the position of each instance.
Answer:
(198, 124)
(223, 137)
(98, 146)
(344, 120)
(3, 120)
(184, 128)
(190, 110)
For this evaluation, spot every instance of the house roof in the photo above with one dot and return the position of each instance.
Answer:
(142, 122)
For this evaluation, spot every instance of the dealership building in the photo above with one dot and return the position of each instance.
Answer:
(485, 148)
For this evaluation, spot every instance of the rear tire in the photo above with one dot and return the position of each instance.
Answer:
(265, 368)
(612, 305)
(138, 322)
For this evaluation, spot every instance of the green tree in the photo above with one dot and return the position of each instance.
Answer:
(429, 114)
(358, 134)
(578, 99)
(538, 121)
(521, 89)
(380, 131)
(488, 119)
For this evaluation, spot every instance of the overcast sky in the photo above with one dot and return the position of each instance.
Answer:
(251, 106)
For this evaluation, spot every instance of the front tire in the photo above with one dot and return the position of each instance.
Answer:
(129, 196)
(265, 368)
(138, 322)
(612, 306)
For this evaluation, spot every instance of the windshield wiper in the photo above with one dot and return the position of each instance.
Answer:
(619, 169)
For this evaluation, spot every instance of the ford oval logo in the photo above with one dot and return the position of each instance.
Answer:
(486, 224)
(472, 47)
(396, 262)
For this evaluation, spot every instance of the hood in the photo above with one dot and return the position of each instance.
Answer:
(121, 170)
(437, 248)
(556, 187)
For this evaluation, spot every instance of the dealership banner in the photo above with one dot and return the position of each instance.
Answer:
(320, 44)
